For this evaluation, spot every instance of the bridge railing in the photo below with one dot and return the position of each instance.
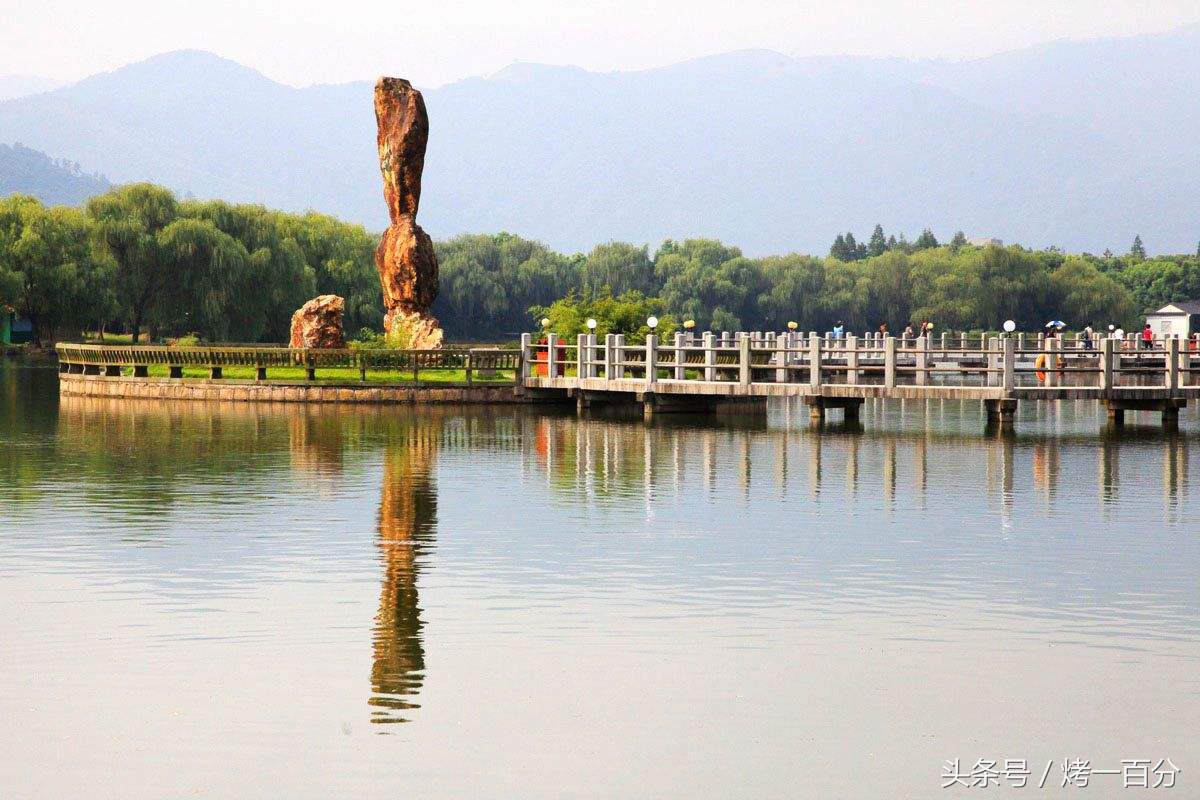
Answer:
(1005, 361)
(448, 365)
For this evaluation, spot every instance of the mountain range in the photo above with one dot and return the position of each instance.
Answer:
(1079, 144)
(27, 171)
(13, 86)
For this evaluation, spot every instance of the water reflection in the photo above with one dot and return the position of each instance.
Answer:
(914, 498)
(609, 459)
(407, 525)
(695, 581)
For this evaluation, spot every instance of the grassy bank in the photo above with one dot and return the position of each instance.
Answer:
(338, 375)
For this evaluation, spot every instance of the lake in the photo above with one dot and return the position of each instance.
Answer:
(240, 600)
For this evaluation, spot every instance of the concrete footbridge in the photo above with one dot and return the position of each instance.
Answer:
(737, 371)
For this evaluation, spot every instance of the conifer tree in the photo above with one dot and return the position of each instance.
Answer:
(1137, 249)
(926, 240)
(878, 244)
(838, 249)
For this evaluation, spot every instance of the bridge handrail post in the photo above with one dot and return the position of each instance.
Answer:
(708, 341)
(851, 359)
(551, 355)
(610, 355)
(744, 359)
(1051, 347)
(921, 357)
(1008, 379)
(781, 358)
(1107, 345)
(526, 356)
(619, 360)
(582, 357)
(994, 360)
(814, 361)
(889, 362)
(680, 341)
(651, 358)
(1172, 358)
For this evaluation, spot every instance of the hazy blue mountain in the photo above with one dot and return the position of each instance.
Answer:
(1078, 144)
(22, 85)
(32, 172)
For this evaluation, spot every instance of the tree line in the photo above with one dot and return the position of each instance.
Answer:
(490, 283)
(140, 260)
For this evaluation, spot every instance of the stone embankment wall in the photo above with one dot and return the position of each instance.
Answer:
(276, 392)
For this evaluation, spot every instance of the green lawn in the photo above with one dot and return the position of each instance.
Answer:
(334, 375)
(91, 337)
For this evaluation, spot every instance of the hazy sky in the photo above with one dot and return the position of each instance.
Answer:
(437, 41)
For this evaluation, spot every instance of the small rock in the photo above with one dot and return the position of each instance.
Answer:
(318, 324)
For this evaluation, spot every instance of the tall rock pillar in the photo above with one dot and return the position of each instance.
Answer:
(407, 264)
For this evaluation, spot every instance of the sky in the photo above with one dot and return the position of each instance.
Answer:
(434, 43)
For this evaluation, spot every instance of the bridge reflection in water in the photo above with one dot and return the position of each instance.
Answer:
(606, 457)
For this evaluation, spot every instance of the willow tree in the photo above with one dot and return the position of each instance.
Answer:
(53, 268)
(342, 257)
(273, 281)
(131, 219)
(204, 264)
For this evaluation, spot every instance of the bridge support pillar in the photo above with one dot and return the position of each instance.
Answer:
(1116, 416)
(818, 404)
(1001, 415)
(1169, 407)
(654, 403)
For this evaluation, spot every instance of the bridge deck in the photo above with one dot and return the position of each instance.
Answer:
(843, 373)
(638, 386)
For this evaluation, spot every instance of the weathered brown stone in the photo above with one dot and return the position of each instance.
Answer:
(415, 330)
(403, 135)
(406, 260)
(318, 323)
(407, 263)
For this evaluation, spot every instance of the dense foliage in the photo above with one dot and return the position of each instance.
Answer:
(139, 259)
(627, 314)
(958, 286)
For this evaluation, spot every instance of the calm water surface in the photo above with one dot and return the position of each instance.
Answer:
(276, 601)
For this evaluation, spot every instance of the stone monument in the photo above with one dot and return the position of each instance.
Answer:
(407, 264)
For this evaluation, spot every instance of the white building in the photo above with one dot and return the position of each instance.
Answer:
(1176, 319)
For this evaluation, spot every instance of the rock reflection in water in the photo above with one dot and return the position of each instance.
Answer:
(407, 524)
